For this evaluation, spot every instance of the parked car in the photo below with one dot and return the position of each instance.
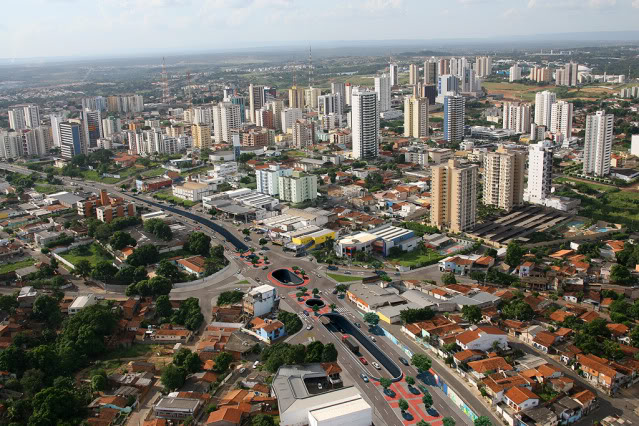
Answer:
(376, 365)
(319, 386)
(334, 291)
(358, 325)
(363, 360)
(265, 268)
(403, 361)
(373, 339)
(348, 272)
(332, 268)
(309, 327)
(306, 313)
(364, 377)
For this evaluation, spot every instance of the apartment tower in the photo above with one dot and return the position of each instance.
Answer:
(365, 124)
(598, 143)
(453, 196)
(504, 178)
(454, 118)
(415, 117)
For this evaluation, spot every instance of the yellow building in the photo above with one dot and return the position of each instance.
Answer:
(317, 238)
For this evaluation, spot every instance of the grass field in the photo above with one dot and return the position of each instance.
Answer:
(168, 196)
(93, 253)
(158, 171)
(518, 91)
(417, 258)
(45, 188)
(10, 267)
(343, 278)
(595, 186)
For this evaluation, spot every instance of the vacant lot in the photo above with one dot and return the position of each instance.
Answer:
(343, 278)
(93, 253)
(518, 91)
(10, 267)
(167, 195)
(417, 258)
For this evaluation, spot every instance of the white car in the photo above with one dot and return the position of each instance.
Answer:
(319, 386)
(376, 365)
(309, 327)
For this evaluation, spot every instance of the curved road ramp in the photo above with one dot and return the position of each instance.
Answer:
(337, 321)
(239, 245)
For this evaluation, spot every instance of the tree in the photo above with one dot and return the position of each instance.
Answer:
(482, 421)
(472, 314)
(385, 383)
(223, 361)
(163, 306)
(341, 288)
(46, 309)
(168, 270)
(32, 381)
(421, 362)
(514, 253)
(262, 419)
(448, 421)
(189, 361)
(198, 243)
(229, 297)
(371, 318)
(403, 405)
(427, 400)
(173, 377)
(144, 255)
(449, 278)
(246, 231)
(315, 292)
(409, 316)
(98, 383)
(619, 274)
(82, 267)
(130, 274)
(158, 228)
(104, 271)
(121, 239)
(263, 242)
(410, 380)
(333, 306)
(329, 353)
(517, 309)
(422, 423)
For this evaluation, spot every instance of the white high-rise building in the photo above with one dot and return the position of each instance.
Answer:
(257, 99)
(539, 172)
(543, 107)
(598, 143)
(55, 128)
(394, 78)
(515, 73)
(276, 107)
(226, 117)
(10, 145)
(327, 104)
(415, 117)
(516, 117)
(454, 108)
(310, 97)
(340, 89)
(365, 124)
(634, 145)
(447, 85)
(413, 74)
(267, 179)
(561, 120)
(483, 66)
(202, 115)
(349, 93)
(289, 117)
(383, 90)
(110, 126)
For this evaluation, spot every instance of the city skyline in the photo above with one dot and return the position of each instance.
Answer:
(108, 26)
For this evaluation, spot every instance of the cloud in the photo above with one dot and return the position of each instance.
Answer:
(635, 4)
(532, 3)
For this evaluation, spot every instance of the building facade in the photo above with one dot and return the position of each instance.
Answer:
(415, 117)
(598, 143)
(504, 178)
(454, 196)
(539, 172)
(454, 108)
(365, 124)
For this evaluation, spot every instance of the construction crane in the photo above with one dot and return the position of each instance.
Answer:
(165, 84)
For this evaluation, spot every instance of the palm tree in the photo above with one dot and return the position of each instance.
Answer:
(333, 306)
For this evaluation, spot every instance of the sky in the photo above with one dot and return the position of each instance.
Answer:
(46, 28)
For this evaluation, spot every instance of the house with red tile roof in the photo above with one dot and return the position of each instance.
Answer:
(521, 398)
(225, 416)
(193, 265)
(544, 340)
(560, 315)
(597, 371)
(483, 367)
(586, 400)
(483, 338)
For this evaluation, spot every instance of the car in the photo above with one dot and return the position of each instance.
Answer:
(242, 370)
(397, 274)
(364, 377)
(334, 291)
(332, 268)
(376, 365)
(319, 386)
(348, 272)
(373, 339)
(358, 325)
(257, 279)
(363, 360)
(306, 313)
(265, 268)
(309, 327)
(403, 360)
(255, 364)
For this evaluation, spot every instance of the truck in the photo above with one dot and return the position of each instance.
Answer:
(350, 344)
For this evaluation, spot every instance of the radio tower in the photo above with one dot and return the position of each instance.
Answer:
(310, 67)
(165, 84)
(189, 95)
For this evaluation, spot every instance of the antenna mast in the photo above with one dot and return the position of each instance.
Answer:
(188, 87)
(165, 83)
(310, 67)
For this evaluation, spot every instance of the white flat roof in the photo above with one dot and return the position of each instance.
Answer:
(264, 288)
(340, 409)
(362, 237)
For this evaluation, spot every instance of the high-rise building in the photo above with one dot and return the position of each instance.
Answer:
(239, 100)
(71, 135)
(543, 107)
(539, 172)
(340, 89)
(514, 73)
(568, 75)
(276, 107)
(349, 93)
(10, 145)
(226, 117)
(92, 121)
(454, 108)
(264, 118)
(537, 132)
(598, 143)
(453, 196)
(24, 117)
(310, 97)
(394, 77)
(443, 67)
(55, 128)
(430, 72)
(256, 100)
(516, 117)
(303, 134)
(289, 117)
(202, 115)
(201, 136)
(267, 179)
(483, 66)
(458, 65)
(561, 120)
(413, 74)
(298, 187)
(539, 74)
(383, 90)
(296, 97)
(365, 124)
(329, 104)
(504, 178)
(415, 117)
(256, 137)
(447, 85)
(634, 145)
(468, 81)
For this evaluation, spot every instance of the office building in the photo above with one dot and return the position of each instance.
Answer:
(543, 107)
(504, 178)
(296, 97)
(239, 100)
(383, 90)
(365, 124)
(289, 117)
(430, 73)
(92, 121)
(71, 139)
(483, 66)
(454, 107)
(304, 134)
(298, 187)
(516, 117)
(561, 120)
(267, 179)
(394, 77)
(226, 117)
(514, 73)
(415, 117)
(539, 172)
(413, 74)
(201, 136)
(256, 100)
(310, 97)
(598, 143)
(447, 85)
(453, 196)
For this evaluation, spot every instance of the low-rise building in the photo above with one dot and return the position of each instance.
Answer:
(482, 338)
(82, 302)
(268, 330)
(260, 301)
(521, 398)
(177, 408)
(153, 184)
(195, 265)
(193, 191)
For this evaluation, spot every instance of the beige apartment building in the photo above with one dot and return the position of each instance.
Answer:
(504, 178)
(454, 196)
(201, 136)
(415, 117)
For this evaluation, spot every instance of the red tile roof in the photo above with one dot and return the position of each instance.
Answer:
(520, 395)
